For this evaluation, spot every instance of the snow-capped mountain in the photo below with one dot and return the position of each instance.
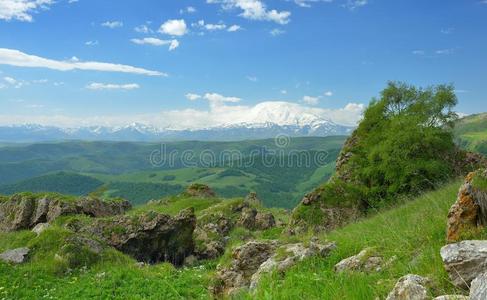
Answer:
(134, 132)
(265, 120)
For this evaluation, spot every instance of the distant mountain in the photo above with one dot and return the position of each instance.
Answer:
(142, 132)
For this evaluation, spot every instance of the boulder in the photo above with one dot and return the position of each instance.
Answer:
(251, 219)
(150, 237)
(410, 287)
(287, 256)
(209, 242)
(365, 261)
(452, 297)
(15, 256)
(23, 211)
(264, 220)
(478, 288)
(199, 191)
(246, 260)
(254, 259)
(469, 212)
(464, 261)
(39, 228)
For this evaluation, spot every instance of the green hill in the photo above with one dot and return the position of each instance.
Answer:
(277, 174)
(471, 133)
(412, 232)
(61, 182)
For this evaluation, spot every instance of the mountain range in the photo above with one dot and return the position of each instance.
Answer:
(264, 122)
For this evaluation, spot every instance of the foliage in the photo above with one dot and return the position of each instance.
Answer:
(405, 142)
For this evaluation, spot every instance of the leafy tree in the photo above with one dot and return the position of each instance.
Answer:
(404, 142)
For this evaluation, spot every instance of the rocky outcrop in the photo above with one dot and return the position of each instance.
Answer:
(256, 258)
(464, 261)
(15, 256)
(79, 251)
(246, 260)
(410, 287)
(199, 191)
(366, 261)
(478, 288)
(469, 212)
(251, 219)
(287, 256)
(150, 237)
(25, 211)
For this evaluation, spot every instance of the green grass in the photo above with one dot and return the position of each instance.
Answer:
(413, 232)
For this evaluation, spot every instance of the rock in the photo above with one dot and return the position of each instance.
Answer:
(478, 288)
(464, 261)
(287, 256)
(462, 216)
(264, 221)
(410, 287)
(251, 219)
(254, 259)
(199, 191)
(246, 260)
(15, 256)
(25, 211)
(452, 297)
(247, 218)
(39, 228)
(252, 199)
(209, 242)
(150, 237)
(366, 261)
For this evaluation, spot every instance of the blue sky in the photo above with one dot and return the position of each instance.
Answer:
(203, 62)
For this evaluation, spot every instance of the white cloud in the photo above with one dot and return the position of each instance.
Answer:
(143, 29)
(307, 3)
(217, 100)
(328, 93)
(445, 51)
(447, 30)
(173, 44)
(311, 100)
(255, 10)
(252, 78)
(21, 10)
(418, 52)
(91, 43)
(192, 96)
(12, 82)
(234, 28)
(188, 10)
(276, 32)
(284, 92)
(112, 24)
(174, 27)
(111, 86)
(353, 4)
(19, 59)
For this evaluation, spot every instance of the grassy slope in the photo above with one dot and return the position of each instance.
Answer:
(471, 133)
(414, 232)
